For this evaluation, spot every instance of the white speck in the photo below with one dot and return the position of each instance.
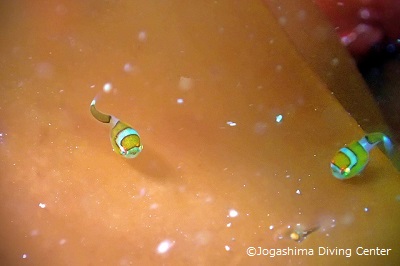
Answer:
(278, 118)
(271, 227)
(179, 101)
(153, 206)
(349, 38)
(24, 256)
(34, 232)
(142, 192)
(233, 213)
(185, 83)
(228, 224)
(301, 15)
(62, 241)
(164, 246)
(227, 248)
(142, 36)
(334, 62)
(298, 192)
(107, 87)
(49, 124)
(366, 209)
(287, 176)
(231, 124)
(282, 21)
(364, 13)
(128, 67)
(42, 205)
(260, 128)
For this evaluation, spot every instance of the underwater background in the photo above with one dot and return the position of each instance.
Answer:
(240, 107)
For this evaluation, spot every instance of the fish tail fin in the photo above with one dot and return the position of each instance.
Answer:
(104, 118)
(388, 144)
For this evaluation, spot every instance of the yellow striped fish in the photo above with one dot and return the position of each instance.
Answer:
(124, 139)
(352, 159)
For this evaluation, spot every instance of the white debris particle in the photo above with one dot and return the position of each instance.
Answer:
(128, 67)
(366, 209)
(233, 213)
(164, 246)
(278, 118)
(364, 13)
(107, 87)
(179, 101)
(271, 227)
(298, 192)
(227, 248)
(34, 232)
(62, 241)
(282, 21)
(24, 256)
(142, 36)
(231, 123)
(153, 206)
(42, 205)
(347, 39)
(302, 14)
(185, 83)
(228, 224)
(335, 61)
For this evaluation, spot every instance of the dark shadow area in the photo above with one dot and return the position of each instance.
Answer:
(381, 70)
(153, 165)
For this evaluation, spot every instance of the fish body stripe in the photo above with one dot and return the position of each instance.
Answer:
(125, 140)
(351, 156)
(352, 159)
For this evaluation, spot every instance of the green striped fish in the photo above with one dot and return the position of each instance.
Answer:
(124, 139)
(352, 159)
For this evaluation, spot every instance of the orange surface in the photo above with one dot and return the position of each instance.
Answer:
(68, 199)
